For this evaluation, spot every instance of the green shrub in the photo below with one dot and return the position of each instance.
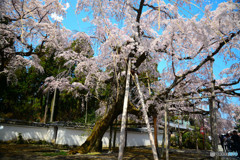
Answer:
(174, 141)
(190, 139)
(20, 139)
(55, 153)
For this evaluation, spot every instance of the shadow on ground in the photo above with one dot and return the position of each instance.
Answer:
(50, 152)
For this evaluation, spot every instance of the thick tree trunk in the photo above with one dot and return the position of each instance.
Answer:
(99, 129)
(101, 126)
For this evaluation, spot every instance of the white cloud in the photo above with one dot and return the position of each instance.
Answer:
(56, 17)
(67, 5)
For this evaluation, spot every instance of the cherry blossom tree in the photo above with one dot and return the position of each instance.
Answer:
(26, 24)
(157, 32)
(135, 36)
(28, 28)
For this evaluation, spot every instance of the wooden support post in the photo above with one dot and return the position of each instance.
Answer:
(169, 133)
(126, 131)
(155, 156)
(46, 109)
(124, 114)
(115, 134)
(53, 104)
(195, 131)
(214, 112)
(163, 142)
(179, 135)
(86, 114)
(180, 140)
(156, 133)
(110, 137)
(204, 147)
(166, 131)
(155, 130)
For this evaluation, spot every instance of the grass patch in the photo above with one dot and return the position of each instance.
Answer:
(61, 153)
(93, 153)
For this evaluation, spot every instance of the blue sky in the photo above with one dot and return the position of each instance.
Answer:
(74, 21)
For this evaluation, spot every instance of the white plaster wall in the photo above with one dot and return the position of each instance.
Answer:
(69, 136)
(72, 136)
(10, 132)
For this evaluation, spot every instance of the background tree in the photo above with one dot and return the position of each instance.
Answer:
(25, 25)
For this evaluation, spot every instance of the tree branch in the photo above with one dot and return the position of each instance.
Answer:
(178, 79)
(161, 10)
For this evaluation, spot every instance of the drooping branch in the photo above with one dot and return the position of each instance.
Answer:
(231, 92)
(180, 78)
(202, 112)
(230, 84)
(219, 90)
(163, 10)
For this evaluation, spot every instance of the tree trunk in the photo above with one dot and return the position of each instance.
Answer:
(211, 119)
(53, 104)
(124, 114)
(98, 131)
(55, 133)
(214, 112)
(180, 140)
(102, 125)
(46, 109)
(155, 156)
